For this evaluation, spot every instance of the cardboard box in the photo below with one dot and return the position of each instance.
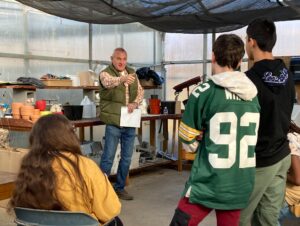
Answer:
(87, 78)
(10, 160)
(178, 107)
(57, 82)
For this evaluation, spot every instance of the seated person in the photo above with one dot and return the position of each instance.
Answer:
(54, 175)
(292, 193)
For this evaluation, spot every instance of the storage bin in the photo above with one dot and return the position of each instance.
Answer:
(170, 106)
(73, 112)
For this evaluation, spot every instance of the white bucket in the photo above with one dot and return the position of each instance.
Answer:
(75, 80)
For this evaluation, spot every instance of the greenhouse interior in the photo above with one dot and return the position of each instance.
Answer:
(54, 55)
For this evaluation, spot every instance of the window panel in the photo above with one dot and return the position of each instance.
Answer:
(183, 47)
(11, 69)
(139, 43)
(39, 68)
(105, 39)
(11, 29)
(53, 36)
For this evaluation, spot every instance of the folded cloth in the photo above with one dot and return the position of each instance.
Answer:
(147, 74)
(33, 81)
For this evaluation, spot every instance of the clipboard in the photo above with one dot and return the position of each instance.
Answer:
(130, 119)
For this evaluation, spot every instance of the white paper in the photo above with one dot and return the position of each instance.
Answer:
(130, 119)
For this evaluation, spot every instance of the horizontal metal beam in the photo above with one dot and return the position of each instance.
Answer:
(192, 61)
(38, 57)
(71, 60)
(186, 62)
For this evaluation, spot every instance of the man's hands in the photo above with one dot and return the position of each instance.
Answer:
(129, 79)
(132, 106)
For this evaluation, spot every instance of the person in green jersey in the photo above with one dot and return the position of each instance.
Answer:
(226, 109)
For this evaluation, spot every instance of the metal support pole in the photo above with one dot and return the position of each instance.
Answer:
(154, 48)
(25, 41)
(204, 57)
(163, 68)
(90, 46)
(121, 36)
(213, 38)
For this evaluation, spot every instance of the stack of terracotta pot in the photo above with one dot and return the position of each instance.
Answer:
(36, 115)
(27, 112)
(16, 107)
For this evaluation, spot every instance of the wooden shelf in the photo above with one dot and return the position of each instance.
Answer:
(30, 87)
(87, 122)
(151, 87)
(160, 116)
(25, 125)
(15, 124)
(6, 184)
(73, 87)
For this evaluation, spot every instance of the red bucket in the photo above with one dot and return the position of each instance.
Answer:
(40, 104)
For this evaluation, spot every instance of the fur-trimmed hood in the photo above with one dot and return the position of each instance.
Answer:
(237, 83)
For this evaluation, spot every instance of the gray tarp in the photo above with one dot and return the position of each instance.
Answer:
(181, 16)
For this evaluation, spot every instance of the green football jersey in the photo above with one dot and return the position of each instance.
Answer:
(223, 171)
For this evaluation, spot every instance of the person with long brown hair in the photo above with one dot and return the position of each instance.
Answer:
(54, 175)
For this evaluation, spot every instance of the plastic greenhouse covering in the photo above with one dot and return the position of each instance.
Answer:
(177, 16)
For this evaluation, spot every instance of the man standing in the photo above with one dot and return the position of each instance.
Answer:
(276, 96)
(227, 110)
(119, 87)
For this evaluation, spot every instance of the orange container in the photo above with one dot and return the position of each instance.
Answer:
(154, 110)
(154, 102)
(154, 106)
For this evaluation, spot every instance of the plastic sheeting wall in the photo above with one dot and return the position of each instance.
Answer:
(33, 43)
(187, 47)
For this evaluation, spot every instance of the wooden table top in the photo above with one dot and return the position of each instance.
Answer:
(7, 184)
(25, 125)
(7, 177)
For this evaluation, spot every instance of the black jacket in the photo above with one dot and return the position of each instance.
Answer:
(276, 94)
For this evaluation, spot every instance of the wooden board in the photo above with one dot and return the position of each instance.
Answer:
(6, 184)
(57, 82)
(15, 124)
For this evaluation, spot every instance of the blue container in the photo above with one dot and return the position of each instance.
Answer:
(295, 67)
